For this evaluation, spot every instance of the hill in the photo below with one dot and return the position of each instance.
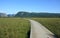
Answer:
(44, 14)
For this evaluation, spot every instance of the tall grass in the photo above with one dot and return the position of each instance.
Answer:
(14, 28)
(53, 24)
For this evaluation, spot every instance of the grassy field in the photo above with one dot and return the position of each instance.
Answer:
(14, 28)
(53, 24)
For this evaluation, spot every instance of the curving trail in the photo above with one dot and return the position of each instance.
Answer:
(39, 31)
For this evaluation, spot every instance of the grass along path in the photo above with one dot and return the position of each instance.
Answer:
(53, 24)
(14, 28)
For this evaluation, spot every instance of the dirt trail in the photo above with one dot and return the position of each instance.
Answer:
(39, 31)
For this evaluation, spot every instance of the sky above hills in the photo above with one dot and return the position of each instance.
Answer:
(13, 6)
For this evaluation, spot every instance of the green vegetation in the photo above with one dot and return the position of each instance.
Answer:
(14, 28)
(19, 28)
(53, 24)
(36, 14)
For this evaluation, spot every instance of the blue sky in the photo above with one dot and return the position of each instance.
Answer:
(13, 6)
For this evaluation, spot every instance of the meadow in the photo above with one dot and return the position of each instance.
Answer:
(19, 28)
(14, 28)
(53, 24)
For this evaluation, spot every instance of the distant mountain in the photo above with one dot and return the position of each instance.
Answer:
(11, 15)
(3, 15)
(22, 14)
(44, 14)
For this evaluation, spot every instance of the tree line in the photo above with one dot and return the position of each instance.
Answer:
(44, 14)
(24, 14)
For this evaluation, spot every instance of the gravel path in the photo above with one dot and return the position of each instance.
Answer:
(39, 31)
